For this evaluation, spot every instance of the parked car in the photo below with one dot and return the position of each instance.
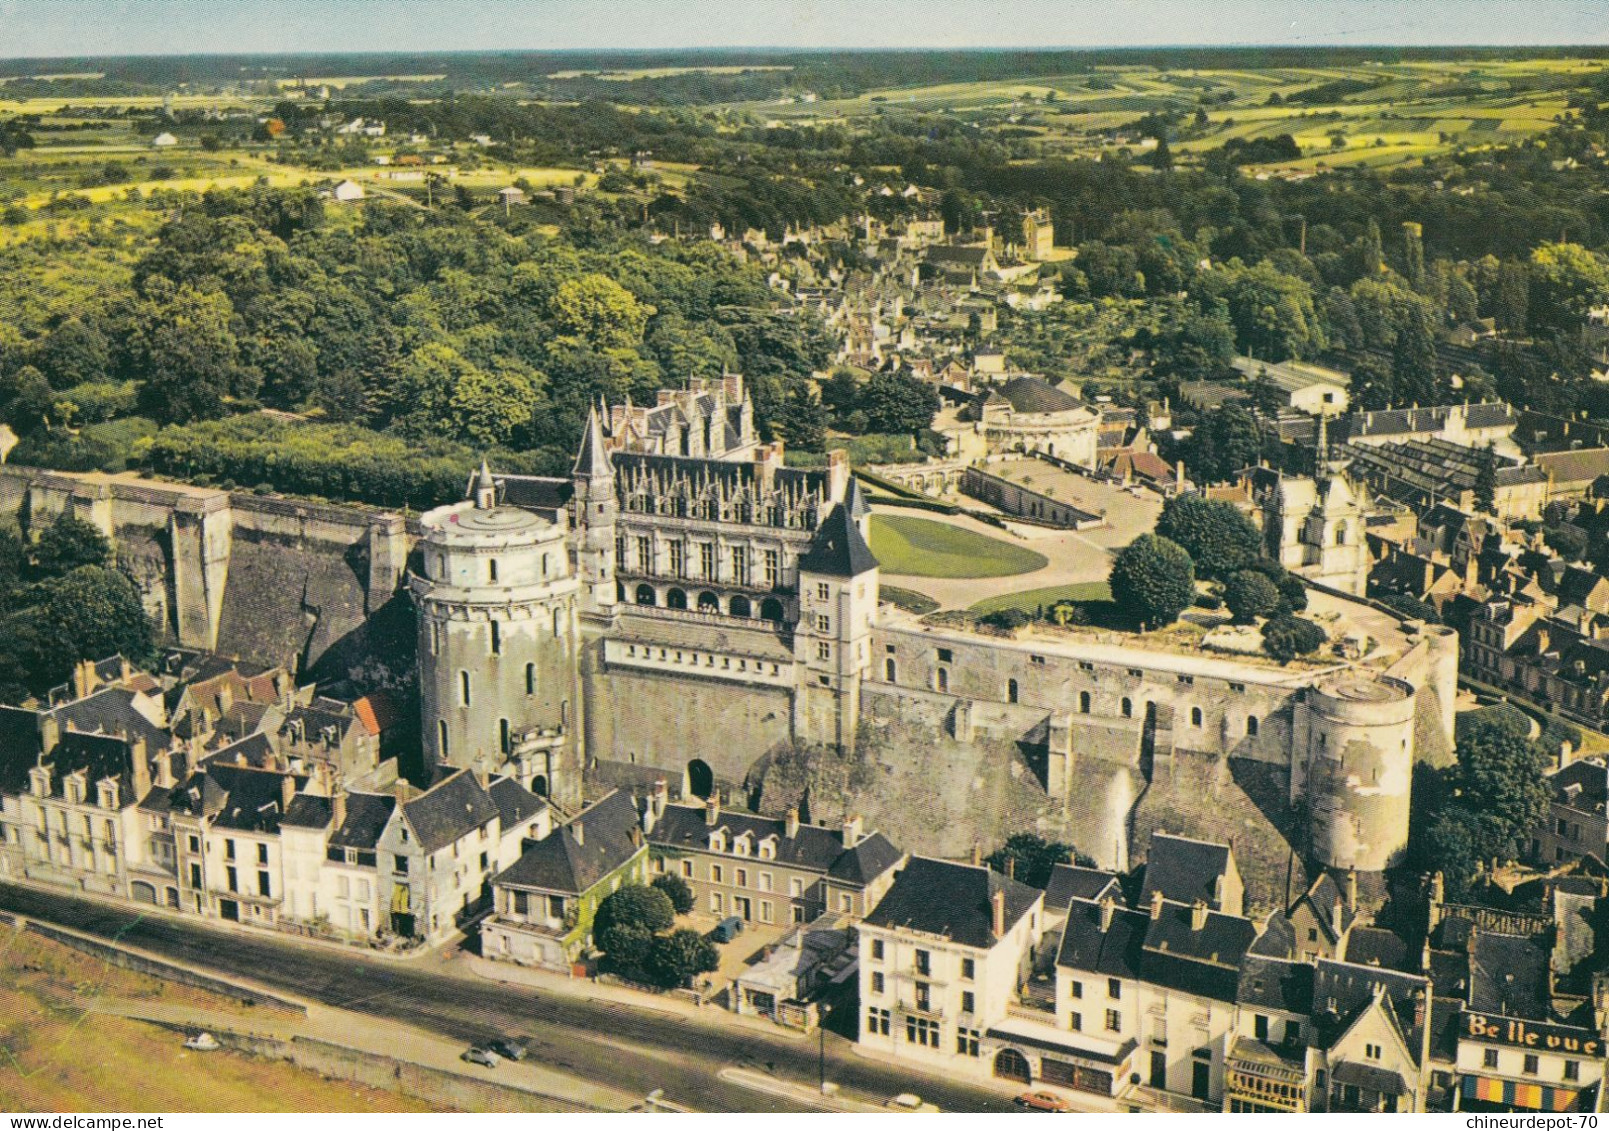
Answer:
(509, 1048)
(1044, 1101)
(909, 1102)
(727, 929)
(203, 1042)
(485, 1057)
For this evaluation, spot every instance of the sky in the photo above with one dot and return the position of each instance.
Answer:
(33, 28)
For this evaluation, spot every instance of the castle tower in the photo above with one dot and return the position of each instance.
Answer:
(498, 665)
(1354, 752)
(838, 579)
(593, 509)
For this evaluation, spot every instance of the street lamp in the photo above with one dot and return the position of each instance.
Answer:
(821, 1048)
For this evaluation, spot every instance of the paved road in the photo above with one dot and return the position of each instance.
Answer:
(636, 1049)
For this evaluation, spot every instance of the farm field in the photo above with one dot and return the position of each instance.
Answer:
(920, 547)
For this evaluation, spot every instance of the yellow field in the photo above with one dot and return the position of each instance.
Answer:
(658, 72)
(55, 1056)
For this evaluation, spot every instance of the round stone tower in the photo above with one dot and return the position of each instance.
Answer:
(1359, 757)
(498, 674)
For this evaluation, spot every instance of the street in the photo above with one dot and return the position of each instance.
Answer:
(636, 1049)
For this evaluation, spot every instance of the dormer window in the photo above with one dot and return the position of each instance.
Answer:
(768, 848)
(743, 845)
(718, 840)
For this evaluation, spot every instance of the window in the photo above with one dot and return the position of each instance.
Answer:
(878, 983)
(233, 877)
(966, 1042)
(1114, 989)
(924, 962)
(262, 854)
(399, 864)
(823, 591)
(765, 879)
(195, 875)
(706, 560)
(1251, 726)
(264, 888)
(195, 844)
(1312, 934)
(1077, 1022)
(717, 874)
(678, 558)
(969, 1002)
(1260, 1027)
(1195, 716)
(969, 969)
(1011, 690)
(823, 623)
(1372, 1052)
(742, 877)
(796, 889)
(1532, 1063)
(228, 849)
(877, 1021)
(1127, 707)
(1489, 1058)
(740, 565)
(1083, 702)
(497, 639)
(920, 1031)
(505, 738)
(463, 689)
(1572, 1070)
(877, 950)
(715, 903)
(1114, 1021)
(772, 563)
(645, 555)
(491, 570)
(823, 651)
(530, 679)
(1078, 989)
(946, 656)
(943, 679)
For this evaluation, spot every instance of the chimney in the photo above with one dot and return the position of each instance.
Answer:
(1335, 918)
(977, 855)
(712, 810)
(660, 796)
(579, 830)
(49, 733)
(1156, 904)
(852, 835)
(790, 827)
(1011, 867)
(164, 768)
(1108, 910)
(84, 680)
(767, 458)
(1424, 958)
(837, 474)
(1419, 1009)
(338, 809)
(1351, 891)
(287, 790)
(997, 904)
(140, 768)
(1438, 896)
(636, 837)
(1198, 915)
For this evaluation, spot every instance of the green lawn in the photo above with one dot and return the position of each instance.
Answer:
(920, 547)
(1030, 600)
(908, 599)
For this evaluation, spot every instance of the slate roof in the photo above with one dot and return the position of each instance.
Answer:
(1273, 983)
(308, 811)
(1117, 952)
(367, 815)
(110, 711)
(1324, 898)
(253, 800)
(561, 863)
(1069, 882)
(1183, 870)
(1031, 394)
(448, 811)
(1376, 946)
(19, 747)
(812, 848)
(1343, 990)
(953, 900)
(515, 804)
(1277, 940)
(99, 756)
(1508, 974)
(838, 549)
(1165, 949)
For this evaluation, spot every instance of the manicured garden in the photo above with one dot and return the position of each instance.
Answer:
(920, 547)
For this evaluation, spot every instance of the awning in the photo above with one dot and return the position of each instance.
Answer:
(401, 900)
(1537, 1097)
(1380, 1080)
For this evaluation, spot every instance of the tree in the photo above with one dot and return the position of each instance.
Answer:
(1250, 596)
(1223, 444)
(1486, 481)
(1285, 638)
(1567, 280)
(1415, 369)
(633, 906)
(1272, 312)
(1371, 255)
(1153, 580)
(1162, 156)
(1008, 620)
(1029, 858)
(1511, 298)
(1218, 538)
(626, 948)
(898, 402)
(1502, 775)
(88, 614)
(1568, 542)
(804, 420)
(679, 957)
(676, 890)
(74, 353)
(68, 543)
(600, 311)
(186, 357)
(1371, 385)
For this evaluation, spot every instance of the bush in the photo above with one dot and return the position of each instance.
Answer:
(679, 957)
(676, 890)
(1008, 620)
(634, 906)
(1251, 597)
(1153, 580)
(1285, 638)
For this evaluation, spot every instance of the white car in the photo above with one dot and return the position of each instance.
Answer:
(203, 1042)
